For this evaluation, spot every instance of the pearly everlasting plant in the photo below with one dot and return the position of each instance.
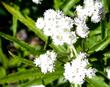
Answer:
(75, 40)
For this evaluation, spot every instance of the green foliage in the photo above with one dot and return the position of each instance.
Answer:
(96, 82)
(3, 58)
(30, 25)
(25, 74)
(21, 43)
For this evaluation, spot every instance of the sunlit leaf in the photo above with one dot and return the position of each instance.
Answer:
(96, 82)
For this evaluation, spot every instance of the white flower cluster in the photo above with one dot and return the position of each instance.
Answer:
(91, 8)
(58, 26)
(78, 69)
(37, 1)
(46, 61)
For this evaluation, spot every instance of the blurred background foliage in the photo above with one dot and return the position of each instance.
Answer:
(21, 42)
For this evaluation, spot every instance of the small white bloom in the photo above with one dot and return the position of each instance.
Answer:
(108, 72)
(46, 61)
(82, 31)
(81, 28)
(81, 12)
(78, 69)
(37, 1)
(95, 18)
(40, 23)
(91, 72)
(38, 86)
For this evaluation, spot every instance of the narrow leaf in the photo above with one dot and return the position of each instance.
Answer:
(22, 75)
(21, 60)
(69, 5)
(100, 46)
(96, 82)
(21, 43)
(3, 58)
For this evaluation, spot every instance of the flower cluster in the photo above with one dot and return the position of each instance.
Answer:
(91, 8)
(46, 61)
(37, 1)
(78, 69)
(58, 26)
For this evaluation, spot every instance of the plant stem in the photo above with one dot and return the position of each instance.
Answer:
(75, 85)
(72, 85)
(74, 50)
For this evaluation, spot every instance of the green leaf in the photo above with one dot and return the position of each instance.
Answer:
(31, 74)
(3, 58)
(100, 46)
(57, 4)
(46, 79)
(103, 29)
(2, 72)
(22, 75)
(22, 44)
(16, 59)
(106, 4)
(14, 22)
(31, 83)
(14, 26)
(96, 82)
(69, 5)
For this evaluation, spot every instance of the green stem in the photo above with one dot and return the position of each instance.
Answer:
(72, 85)
(74, 50)
(75, 85)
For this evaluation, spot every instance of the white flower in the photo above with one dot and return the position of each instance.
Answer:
(108, 72)
(81, 13)
(58, 26)
(82, 31)
(78, 69)
(91, 72)
(81, 28)
(46, 61)
(38, 86)
(40, 23)
(37, 1)
(95, 18)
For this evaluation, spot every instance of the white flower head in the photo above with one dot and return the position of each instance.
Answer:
(37, 1)
(77, 69)
(58, 27)
(82, 31)
(81, 13)
(46, 61)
